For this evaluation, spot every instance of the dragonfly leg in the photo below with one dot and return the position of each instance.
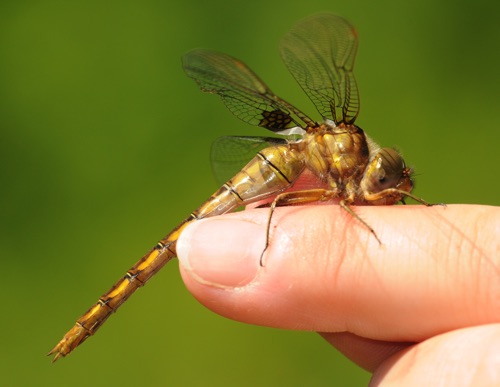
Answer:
(345, 205)
(293, 198)
(390, 192)
(399, 193)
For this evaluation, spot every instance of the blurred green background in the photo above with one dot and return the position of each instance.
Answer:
(104, 148)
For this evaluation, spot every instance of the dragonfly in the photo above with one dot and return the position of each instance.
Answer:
(319, 52)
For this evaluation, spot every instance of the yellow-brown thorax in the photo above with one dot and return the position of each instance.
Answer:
(355, 168)
(337, 155)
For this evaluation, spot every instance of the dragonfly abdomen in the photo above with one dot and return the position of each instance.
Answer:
(271, 171)
(109, 302)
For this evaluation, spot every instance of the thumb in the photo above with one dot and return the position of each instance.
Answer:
(324, 271)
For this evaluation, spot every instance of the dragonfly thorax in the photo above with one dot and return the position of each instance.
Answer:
(337, 155)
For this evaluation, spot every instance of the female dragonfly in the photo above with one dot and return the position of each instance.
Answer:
(319, 52)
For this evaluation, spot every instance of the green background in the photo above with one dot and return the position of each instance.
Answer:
(104, 148)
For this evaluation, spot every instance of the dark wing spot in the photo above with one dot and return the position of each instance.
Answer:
(275, 120)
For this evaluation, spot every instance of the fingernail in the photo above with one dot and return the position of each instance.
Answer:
(222, 252)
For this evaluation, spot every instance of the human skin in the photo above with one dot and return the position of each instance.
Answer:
(422, 308)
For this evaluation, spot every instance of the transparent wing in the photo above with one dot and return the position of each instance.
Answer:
(246, 96)
(319, 51)
(231, 153)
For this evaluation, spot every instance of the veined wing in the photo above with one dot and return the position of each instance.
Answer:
(246, 96)
(229, 154)
(319, 51)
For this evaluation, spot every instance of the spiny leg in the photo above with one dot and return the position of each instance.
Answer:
(304, 197)
(346, 207)
(295, 198)
(399, 193)
(316, 195)
(393, 192)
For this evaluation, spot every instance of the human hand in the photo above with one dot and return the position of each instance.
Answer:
(423, 308)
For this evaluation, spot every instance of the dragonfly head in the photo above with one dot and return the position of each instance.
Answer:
(386, 171)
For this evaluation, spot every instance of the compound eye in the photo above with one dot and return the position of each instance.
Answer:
(385, 171)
